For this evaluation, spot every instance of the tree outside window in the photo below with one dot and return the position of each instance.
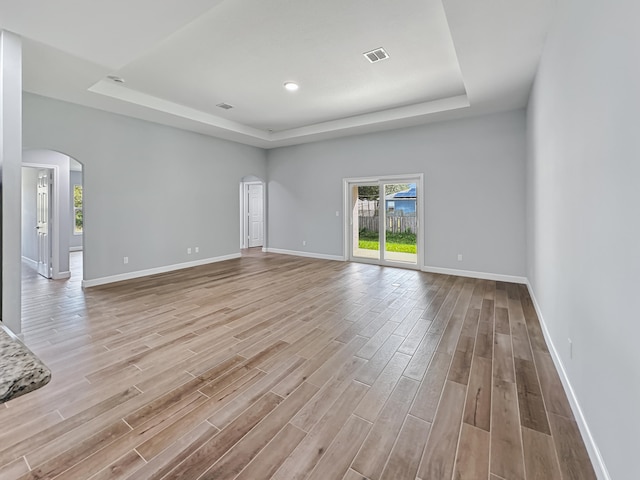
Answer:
(77, 209)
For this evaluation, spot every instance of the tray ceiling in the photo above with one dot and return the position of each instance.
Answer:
(180, 59)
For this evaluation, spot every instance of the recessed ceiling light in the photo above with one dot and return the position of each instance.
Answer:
(115, 78)
(291, 86)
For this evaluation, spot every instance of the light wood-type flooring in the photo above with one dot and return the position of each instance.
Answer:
(281, 367)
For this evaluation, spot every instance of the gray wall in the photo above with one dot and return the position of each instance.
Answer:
(180, 188)
(474, 189)
(583, 201)
(75, 240)
(10, 174)
(29, 219)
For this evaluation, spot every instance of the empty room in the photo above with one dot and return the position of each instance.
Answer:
(350, 240)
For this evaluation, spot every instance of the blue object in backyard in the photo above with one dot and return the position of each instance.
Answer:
(402, 203)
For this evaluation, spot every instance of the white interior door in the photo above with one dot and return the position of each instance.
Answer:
(255, 214)
(43, 204)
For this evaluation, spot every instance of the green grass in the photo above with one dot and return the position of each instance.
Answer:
(405, 238)
(396, 242)
(368, 245)
(391, 247)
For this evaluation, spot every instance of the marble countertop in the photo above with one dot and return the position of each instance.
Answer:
(20, 370)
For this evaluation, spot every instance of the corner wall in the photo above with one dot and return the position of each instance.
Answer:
(150, 191)
(29, 214)
(583, 200)
(10, 179)
(474, 190)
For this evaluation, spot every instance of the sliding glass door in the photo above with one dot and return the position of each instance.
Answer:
(366, 240)
(400, 223)
(383, 224)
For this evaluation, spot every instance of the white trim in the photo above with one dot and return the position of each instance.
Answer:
(154, 271)
(347, 247)
(590, 443)
(55, 213)
(56, 276)
(11, 333)
(397, 117)
(32, 263)
(296, 253)
(75, 249)
(244, 210)
(498, 277)
(384, 178)
(243, 240)
(346, 219)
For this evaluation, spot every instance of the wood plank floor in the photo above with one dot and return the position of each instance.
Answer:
(289, 368)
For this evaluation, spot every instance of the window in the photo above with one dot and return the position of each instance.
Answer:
(77, 209)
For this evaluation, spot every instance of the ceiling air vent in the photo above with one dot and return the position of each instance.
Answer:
(226, 106)
(115, 78)
(376, 55)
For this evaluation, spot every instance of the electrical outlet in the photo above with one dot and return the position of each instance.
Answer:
(189, 251)
(125, 260)
(459, 257)
(570, 348)
(197, 249)
(304, 243)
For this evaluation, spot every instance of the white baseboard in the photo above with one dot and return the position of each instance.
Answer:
(483, 275)
(590, 443)
(296, 253)
(75, 249)
(154, 271)
(56, 276)
(447, 271)
(11, 333)
(32, 263)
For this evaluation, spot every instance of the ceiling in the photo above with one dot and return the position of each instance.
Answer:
(181, 58)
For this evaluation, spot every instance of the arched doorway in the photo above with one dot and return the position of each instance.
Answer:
(52, 202)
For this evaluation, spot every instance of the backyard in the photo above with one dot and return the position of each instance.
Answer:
(395, 242)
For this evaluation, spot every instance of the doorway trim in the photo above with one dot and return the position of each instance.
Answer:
(54, 219)
(44, 189)
(244, 210)
(418, 178)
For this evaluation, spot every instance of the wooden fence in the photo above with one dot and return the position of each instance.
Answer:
(394, 224)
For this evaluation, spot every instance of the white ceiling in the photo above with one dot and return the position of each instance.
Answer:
(180, 58)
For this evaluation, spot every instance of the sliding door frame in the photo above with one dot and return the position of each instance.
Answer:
(348, 183)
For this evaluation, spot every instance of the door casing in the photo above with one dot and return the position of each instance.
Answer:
(43, 216)
(255, 215)
(347, 183)
(244, 212)
(54, 223)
